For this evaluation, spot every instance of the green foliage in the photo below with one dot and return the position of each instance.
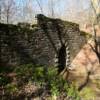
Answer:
(73, 92)
(57, 85)
(24, 72)
(54, 89)
(43, 76)
(4, 80)
(5, 69)
(87, 93)
(52, 72)
(24, 69)
(97, 82)
(29, 72)
(38, 74)
(11, 88)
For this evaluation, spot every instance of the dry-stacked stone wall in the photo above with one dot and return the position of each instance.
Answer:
(40, 43)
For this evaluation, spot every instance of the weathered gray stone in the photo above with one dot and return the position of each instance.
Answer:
(32, 45)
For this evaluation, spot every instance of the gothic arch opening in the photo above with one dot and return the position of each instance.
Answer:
(63, 58)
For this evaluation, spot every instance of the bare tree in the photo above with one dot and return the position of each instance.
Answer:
(1, 10)
(51, 7)
(0, 13)
(27, 11)
(96, 48)
(40, 6)
(8, 10)
(14, 11)
(95, 6)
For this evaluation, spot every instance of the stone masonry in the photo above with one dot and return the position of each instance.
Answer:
(40, 43)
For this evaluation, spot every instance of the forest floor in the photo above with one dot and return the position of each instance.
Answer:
(30, 90)
(91, 90)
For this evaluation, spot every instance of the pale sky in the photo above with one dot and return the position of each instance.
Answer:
(62, 8)
(59, 4)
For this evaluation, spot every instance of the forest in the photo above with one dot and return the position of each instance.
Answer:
(49, 49)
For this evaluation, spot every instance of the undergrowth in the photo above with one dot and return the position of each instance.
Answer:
(45, 78)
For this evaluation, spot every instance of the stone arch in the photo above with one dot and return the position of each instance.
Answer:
(62, 59)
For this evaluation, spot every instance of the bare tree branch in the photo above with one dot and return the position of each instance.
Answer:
(38, 2)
